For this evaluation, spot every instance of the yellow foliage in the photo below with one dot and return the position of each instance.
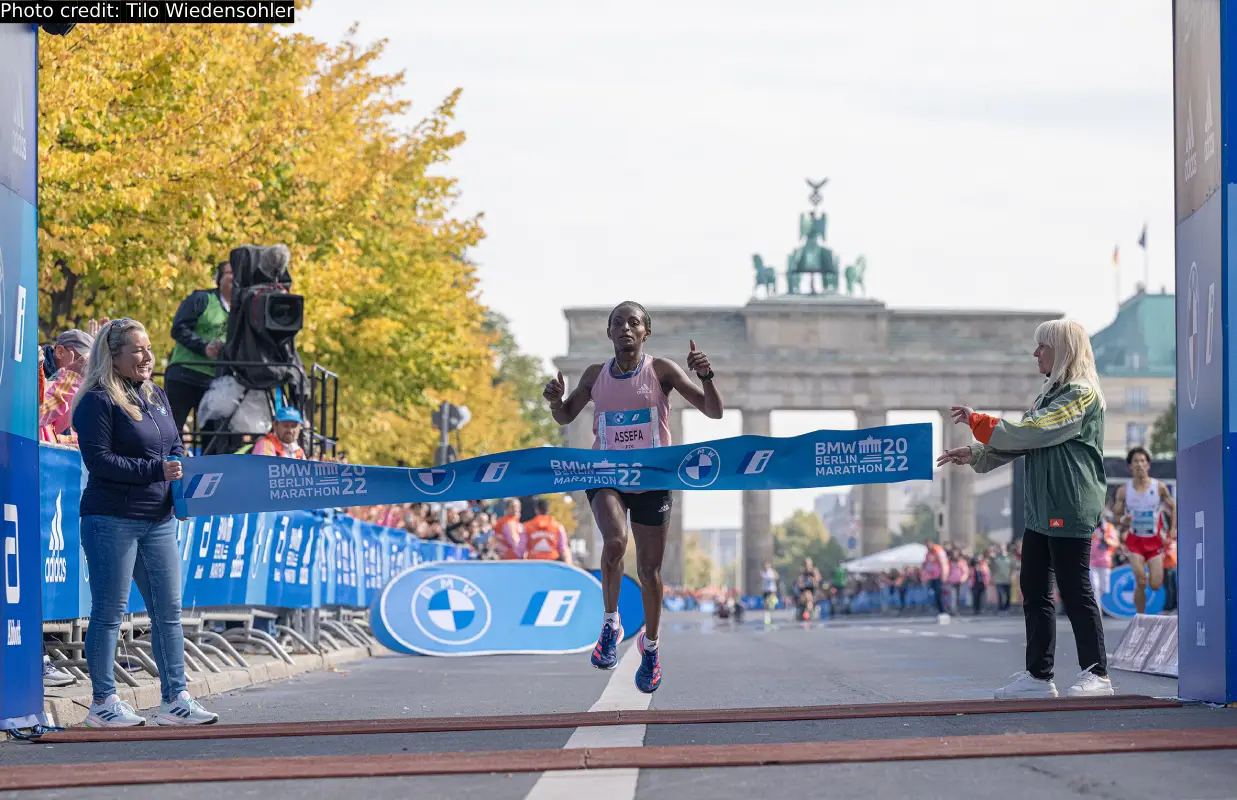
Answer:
(162, 147)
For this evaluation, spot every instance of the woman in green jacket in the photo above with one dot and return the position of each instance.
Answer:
(1062, 438)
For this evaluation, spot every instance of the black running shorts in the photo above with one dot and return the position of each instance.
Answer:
(647, 508)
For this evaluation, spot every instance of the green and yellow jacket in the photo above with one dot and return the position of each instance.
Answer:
(1062, 437)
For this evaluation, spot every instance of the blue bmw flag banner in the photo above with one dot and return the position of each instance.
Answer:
(215, 485)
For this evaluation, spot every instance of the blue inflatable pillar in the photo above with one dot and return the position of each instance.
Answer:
(21, 620)
(1205, 216)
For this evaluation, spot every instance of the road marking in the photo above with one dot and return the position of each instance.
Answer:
(993, 641)
(956, 636)
(928, 633)
(884, 630)
(905, 630)
(620, 694)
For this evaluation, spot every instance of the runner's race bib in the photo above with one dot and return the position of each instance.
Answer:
(628, 430)
(1143, 523)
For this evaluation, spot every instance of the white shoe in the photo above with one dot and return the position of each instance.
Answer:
(1090, 685)
(113, 713)
(185, 711)
(943, 619)
(54, 677)
(1023, 685)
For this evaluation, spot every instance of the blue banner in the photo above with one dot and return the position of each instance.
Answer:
(295, 559)
(21, 649)
(1118, 601)
(479, 608)
(248, 483)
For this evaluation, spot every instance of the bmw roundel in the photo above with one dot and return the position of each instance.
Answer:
(432, 481)
(1118, 601)
(451, 610)
(700, 467)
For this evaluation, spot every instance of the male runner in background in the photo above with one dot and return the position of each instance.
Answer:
(1137, 506)
(631, 411)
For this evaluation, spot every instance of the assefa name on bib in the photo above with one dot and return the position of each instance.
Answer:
(628, 430)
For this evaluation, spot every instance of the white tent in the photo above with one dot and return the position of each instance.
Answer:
(907, 555)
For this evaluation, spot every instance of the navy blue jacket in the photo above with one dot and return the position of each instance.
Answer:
(124, 458)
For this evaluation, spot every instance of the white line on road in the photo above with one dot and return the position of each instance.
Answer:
(956, 636)
(905, 630)
(620, 694)
(928, 633)
(993, 641)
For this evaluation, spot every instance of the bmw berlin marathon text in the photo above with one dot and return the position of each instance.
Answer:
(870, 455)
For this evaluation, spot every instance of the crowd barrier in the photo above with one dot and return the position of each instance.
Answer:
(293, 560)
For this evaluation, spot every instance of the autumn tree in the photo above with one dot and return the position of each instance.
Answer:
(162, 147)
(804, 535)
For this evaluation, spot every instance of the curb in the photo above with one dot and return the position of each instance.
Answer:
(65, 712)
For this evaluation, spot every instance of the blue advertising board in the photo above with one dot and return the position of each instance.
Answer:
(1204, 316)
(1118, 601)
(297, 559)
(477, 608)
(21, 648)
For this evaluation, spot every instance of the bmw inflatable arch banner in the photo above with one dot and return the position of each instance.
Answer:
(1118, 601)
(476, 608)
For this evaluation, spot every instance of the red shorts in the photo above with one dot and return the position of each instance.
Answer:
(1146, 547)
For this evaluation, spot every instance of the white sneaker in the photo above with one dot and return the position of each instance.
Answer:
(1023, 685)
(1090, 685)
(54, 677)
(185, 711)
(943, 619)
(113, 713)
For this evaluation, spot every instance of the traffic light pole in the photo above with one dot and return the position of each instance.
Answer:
(444, 443)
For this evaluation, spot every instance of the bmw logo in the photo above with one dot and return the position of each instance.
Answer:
(451, 610)
(700, 467)
(432, 481)
(1118, 601)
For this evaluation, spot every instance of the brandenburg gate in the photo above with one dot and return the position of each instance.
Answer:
(826, 351)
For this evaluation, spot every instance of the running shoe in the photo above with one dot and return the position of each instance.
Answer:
(605, 654)
(185, 711)
(1024, 685)
(1090, 685)
(648, 675)
(113, 713)
(54, 677)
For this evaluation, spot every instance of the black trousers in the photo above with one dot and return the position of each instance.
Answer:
(184, 397)
(1069, 559)
(1003, 591)
(938, 589)
(978, 592)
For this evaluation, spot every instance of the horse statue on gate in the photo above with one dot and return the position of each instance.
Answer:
(812, 257)
(765, 277)
(854, 276)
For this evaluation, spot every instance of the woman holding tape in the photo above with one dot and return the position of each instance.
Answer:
(1062, 437)
(631, 411)
(129, 444)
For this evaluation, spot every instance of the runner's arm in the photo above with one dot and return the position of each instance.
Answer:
(1166, 497)
(1118, 513)
(569, 408)
(706, 400)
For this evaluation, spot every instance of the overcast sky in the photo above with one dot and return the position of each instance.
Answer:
(980, 154)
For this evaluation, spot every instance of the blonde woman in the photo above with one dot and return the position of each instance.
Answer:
(129, 443)
(1062, 437)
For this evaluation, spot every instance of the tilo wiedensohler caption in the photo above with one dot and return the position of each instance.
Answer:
(170, 11)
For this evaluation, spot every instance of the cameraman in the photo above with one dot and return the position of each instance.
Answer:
(199, 328)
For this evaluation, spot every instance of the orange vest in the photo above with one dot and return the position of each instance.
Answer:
(507, 538)
(1170, 555)
(541, 534)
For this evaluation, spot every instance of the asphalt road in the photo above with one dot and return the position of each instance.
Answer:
(706, 665)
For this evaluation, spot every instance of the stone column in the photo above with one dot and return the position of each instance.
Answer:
(580, 436)
(672, 562)
(873, 497)
(959, 489)
(757, 513)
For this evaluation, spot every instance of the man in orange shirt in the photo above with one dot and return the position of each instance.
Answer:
(545, 537)
(284, 437)
(509, 532)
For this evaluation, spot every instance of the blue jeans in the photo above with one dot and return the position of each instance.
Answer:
(118, 551)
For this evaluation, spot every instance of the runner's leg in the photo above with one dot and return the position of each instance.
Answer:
(611, 516)
(1139, 565)
(650, 548)
(1155, 572)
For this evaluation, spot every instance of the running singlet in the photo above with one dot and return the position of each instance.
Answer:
(1144, 507)
(769, 579)
(631, 412)
(544, 538)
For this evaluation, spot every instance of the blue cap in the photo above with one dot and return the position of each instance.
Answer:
(289, 414)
